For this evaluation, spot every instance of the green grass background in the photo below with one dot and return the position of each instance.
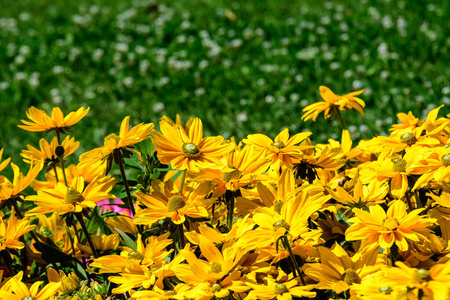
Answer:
(241, 66)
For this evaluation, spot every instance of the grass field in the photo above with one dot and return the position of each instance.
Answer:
(241, 66)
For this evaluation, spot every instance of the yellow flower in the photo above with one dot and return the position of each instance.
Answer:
(434, 283)
(12, 190)
(216, 276)
(362, 195)
(338, 271)
(394, 171)
(309, 161)
(277, 288)
(177, 293)
(386, 228)
(117, 146)
(170, 204)
(435, 166)
(238, 169)
(19, 291)
(409, 141)
(12, 230)
(72, 199)
(47, 152)
(333, 101)
(187, 148)
(56, 122)
(141, 267)
(132, 260)
(279, 149)
(431, 125)
(88, 172)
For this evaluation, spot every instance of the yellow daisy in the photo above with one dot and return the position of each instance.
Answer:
(279, 149)
(332, 101)
(72, 199)
(19, 291)
(11, 230)
(118, 146)
(386, 228)
(47, 152)
(338, 271)
(56, 122)
(187, 148)
(12, 190)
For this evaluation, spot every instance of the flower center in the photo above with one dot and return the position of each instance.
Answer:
(350, 276)
(277, 206)
(45, 231)
(385, 289)
(175, 203)
(216, 267)
(278, 145)
(281, 223)
(281, 289)
(399, 165)
(408, 139)
(190, 150)
(28, 298)
(422, 275)
(136, 255)
(215, 288)
(390, 223)
(445, 160)
(73, 196)
(230, 173)
(113, 137)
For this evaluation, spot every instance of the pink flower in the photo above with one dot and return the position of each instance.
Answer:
(113, 205)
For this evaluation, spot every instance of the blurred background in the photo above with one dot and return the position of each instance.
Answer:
(241, 66)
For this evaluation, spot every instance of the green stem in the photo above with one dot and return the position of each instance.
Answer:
(294, 262)
(80, 219)
(183, 178)
(56, 173)
(338, 112)
(127, 188)
(71, 240)
(389, 260)
(229, 195)
(181, 235)
(61, 158)
(418, 200)
(408, 200)
(212, 213)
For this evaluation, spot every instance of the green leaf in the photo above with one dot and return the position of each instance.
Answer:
(341, 218)
(146, 147)
(127, 240)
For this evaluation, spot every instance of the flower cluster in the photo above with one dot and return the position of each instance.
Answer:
(210, 218)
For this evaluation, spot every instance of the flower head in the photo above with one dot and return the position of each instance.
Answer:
(48, 152)
(332, 101)
(40, 121)
(72, 199)
(386, 228)
(118, 146)
(187, 148)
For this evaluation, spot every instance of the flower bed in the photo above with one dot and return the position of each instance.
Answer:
(200, 217)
